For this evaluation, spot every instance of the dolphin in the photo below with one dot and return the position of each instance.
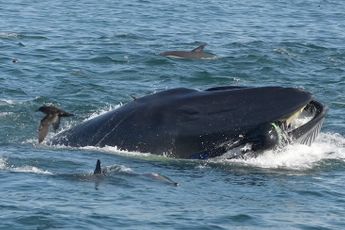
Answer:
(99, 171)
(53, 116)
(197, 53)
(200, 124)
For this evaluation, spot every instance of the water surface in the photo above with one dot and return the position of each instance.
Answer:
(88, 57)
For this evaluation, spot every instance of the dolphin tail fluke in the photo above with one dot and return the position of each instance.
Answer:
(98, 169)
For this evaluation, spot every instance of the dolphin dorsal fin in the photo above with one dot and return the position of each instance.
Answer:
(98, 169)
(199, 48)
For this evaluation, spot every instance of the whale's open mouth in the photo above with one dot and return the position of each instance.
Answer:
(304, 126)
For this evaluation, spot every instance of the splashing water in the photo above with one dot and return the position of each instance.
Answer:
(293, 157)
(2, 164)
(103, 111)
(298, 156)
(117, 151)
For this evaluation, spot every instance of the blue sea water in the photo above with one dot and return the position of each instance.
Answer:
(88, 57)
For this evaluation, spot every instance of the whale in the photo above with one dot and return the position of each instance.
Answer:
(201, 124)
(197, 53)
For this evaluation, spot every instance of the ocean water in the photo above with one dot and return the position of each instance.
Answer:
(89, 57)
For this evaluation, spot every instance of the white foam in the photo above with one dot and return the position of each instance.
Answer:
(294, 157)
(32, 141)
(7, 102)
(30, 169)
(17, 101)
(115, 150)
(119, 168)
(298, 156)
(4, 114)
(8, 35)
(23, 169)
(103, 111)
(3, 164)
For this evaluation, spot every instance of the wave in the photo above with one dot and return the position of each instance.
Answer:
(22, 169)
(30, 169)
(8, 35)
(4, 114)
(7, 102)
(19, 101)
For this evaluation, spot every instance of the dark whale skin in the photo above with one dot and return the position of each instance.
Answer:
(183, 122)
